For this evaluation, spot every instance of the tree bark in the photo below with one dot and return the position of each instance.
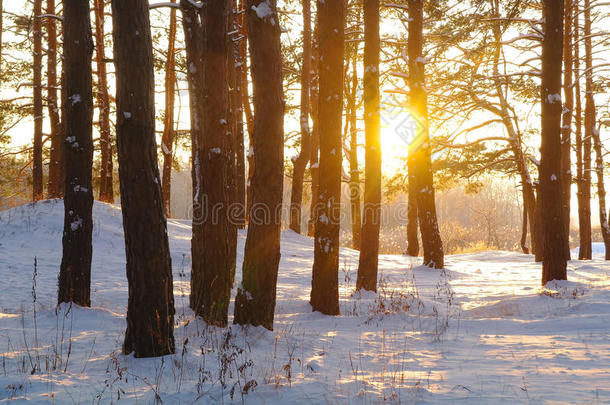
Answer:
(551, 202)
(583, 154)
(592, 132)
(420, 150)
(412, 215)
(37, 187)
(106, 193)
(240, 66)
(566, 129)
(354, 169)
(150, 311)
(167, 140)
(325, 283)
(255, 300)
(54, 182)
(75, 271)
(369, 247)
(213, 264)
(314, 160)
(247, 109)
(300, 162)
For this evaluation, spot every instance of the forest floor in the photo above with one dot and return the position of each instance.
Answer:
(481, 331)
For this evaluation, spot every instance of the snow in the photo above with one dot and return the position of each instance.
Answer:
(482, 331)
(263, 10)
(552, 98)
(75, 98)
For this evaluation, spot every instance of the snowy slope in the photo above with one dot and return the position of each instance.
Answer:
(483, 331)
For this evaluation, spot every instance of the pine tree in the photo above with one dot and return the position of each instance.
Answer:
(106, 193)
(237, 101)
(354, 169)
(54, 181)
(420, 150)
(255, 300)
(167, 140)
(591, 130)
(369, 246)
(150, 311)
(325, 283)
(37, 188)
(568, 112)
(212, 244)
(550, 188)
(583, 153)
(300, 162)
(314, 159)
(75, 272)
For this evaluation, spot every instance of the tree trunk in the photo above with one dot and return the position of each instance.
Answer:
(167, 140)
(150, 311)
(233, 103)
(37, 188)
(369, 247)
(566, 129)
(247, 109)
(75, 273)
(300, 162)
(551, 203)
(325, 280)
(213, 264)
(354, 169)
(523, 241)
(592, 132)
(54, 182)
(314, 161)
(583, 153)
(106, 183)
(412, 215)
(194, 42)
(239, 63)
(420, 149)
(255, 300)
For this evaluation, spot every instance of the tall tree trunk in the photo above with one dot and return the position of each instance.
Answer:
(420, 150)
(300, 162)
(150, 311)
(167, 140)
(243, 56)
(75, 272)
(354, 169)
(194, 41)
(106, 183)
(412, 215)
(566, 129)
(516, 145)
(233, 104)
(592, 132)
(213, 264)
(583, 154)
(325, 280)
(240, 65)
(551, 203)
(54, 182)
(37, 188)
(255, 300)
(369, 247)
(314, 160)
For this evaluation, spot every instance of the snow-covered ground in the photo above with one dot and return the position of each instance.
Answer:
(482, 331)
